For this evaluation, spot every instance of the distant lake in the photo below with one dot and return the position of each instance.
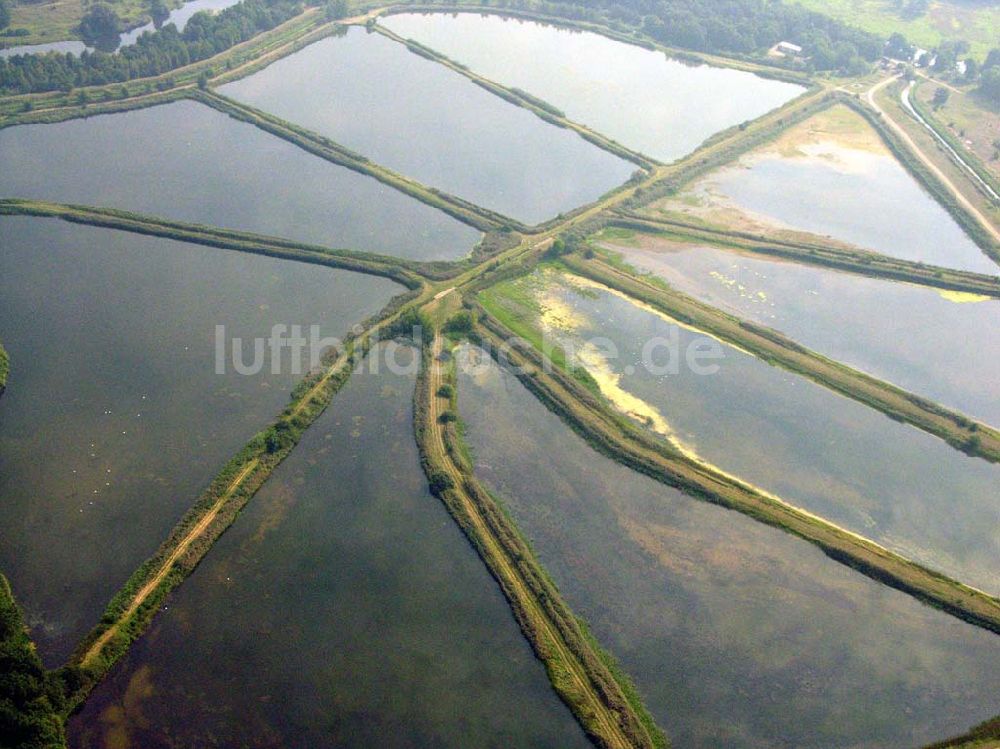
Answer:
(178, 17)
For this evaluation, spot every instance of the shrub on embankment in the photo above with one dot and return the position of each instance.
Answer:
(4, 368)
(30, 699)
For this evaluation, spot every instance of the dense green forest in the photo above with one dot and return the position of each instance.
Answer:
(734, 27)
(154, 53)
(29, 699)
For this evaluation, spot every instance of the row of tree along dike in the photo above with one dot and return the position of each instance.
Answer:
(31, 700)
(204, 36)
(928, 179)
(406, 272)
(4, 368)
(58, 105)
(812, 251)
(742, 30)
(958, 430)
(133, 607)
(599, 694)
(619, 438)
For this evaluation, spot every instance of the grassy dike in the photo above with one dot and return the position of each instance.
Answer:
(520, 98)
(602, 699)
(728, 145)
(813, 252)
(30, 699)
(4, 368)
(402, 271)
(632, 446)
(986, 735)
(134, 606)
(968, 156)
(318, 145)
(925, 177)
(957, 430)
(56, 106)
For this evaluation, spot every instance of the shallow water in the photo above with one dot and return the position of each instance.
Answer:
(815, 449)
(188, 162)
(419, 118)
(738, 635)
(864, 198)
(647, 101)
(344, 608)
(114, 419)
(937, 344)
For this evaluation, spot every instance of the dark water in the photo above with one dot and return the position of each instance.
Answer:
(343, 609)
(114, 419)
(915, 337)
(186, 161)
(419, 118)
(833, 456)
(643, 99)
(737, 635)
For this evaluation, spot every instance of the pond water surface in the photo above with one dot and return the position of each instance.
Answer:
(738, 635)
(114, 419)
(938, 344)
(645, 100)
(833, 456)
(832, 175)
(419, 118)
(188, 162)
(343, 609)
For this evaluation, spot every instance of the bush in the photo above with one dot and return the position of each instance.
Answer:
(440, 482)
(28, 696)
(446, 391)
(461, 323)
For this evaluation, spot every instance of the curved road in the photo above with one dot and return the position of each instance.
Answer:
(904, 97)
(963, 201)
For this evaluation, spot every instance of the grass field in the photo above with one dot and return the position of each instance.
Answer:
(56, 20)
(969, 118)
(977, 22)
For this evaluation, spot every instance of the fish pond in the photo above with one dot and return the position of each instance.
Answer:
(186, 161)
(737, 634)
(813, 448)
(657, 105)
(417, 117)
(118, 411)
(344, 608)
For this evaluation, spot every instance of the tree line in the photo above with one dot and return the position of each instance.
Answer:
(730, 27)
(30, 699)
(153, 54)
